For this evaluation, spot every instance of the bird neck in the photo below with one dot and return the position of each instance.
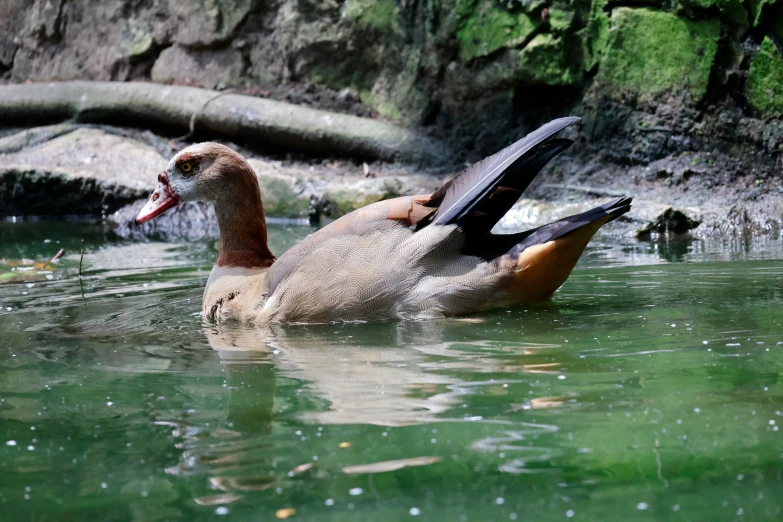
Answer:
(240, 215)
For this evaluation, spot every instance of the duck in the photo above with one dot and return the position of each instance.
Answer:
(412, 257)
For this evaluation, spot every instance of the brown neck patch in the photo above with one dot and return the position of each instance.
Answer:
(240, 213)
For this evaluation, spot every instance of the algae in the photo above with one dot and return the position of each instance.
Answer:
(764, 85)
(280, 198)
(380, 15)
(596, 34)
(491, 28)
(650, 53)
(546, 61)
(560, 20)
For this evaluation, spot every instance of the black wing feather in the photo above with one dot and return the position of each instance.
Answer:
(513, 183)
(491, 246)
(478, 181)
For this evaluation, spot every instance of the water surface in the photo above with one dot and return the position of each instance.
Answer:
(648, 388)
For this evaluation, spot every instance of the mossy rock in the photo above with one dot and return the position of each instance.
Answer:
(531, 7)
(396, 93)
(596, 34)
(138, 41)
(650, 53)
(764, 85)
(280, 198)
(339, 203)
(732, 10)
(560, 20)
(339, 200)
(380, 15)
(491, 28)
(547, 60)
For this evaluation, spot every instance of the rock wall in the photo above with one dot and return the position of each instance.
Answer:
(704, 73)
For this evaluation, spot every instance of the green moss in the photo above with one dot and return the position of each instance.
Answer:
(339, 203)
(331, 76)
(764, 85)
(560, 19)
(546, 60)
(731, 10)
(757, 8)
(596, 34)
(376, 14)
(381, 104)
(280, 199)
(397, 95)
(650, 53)
(490, 28)
(140, 42)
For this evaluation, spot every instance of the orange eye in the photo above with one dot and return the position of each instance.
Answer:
(186, 167)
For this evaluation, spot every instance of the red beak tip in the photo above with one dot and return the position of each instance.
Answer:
(161, 200)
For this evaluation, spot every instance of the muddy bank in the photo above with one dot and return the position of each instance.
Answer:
(682, 102)
(90, 169)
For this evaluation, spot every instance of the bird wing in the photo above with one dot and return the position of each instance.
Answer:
(505, 174)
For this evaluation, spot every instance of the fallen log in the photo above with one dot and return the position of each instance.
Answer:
(34, 136)
(270, 123)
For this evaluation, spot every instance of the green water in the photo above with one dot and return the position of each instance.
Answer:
(650, 388)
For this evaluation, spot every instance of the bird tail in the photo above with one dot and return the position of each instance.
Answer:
(545, 258)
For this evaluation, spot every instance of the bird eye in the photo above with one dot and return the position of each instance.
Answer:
(186, 167)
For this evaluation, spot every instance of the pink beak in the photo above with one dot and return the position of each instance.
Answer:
(160, 201)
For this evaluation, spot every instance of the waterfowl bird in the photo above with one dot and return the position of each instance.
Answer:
(410, 257)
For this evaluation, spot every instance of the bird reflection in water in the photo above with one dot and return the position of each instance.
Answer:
(388, 375)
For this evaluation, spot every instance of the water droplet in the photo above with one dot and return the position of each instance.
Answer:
(570, 513)
(415, 512)
(221, 510)
(641, 506)
(355, 491)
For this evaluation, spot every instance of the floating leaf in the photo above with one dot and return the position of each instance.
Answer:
(241, 484)
(285, 513)
(301, 468)
(225, 498)
(391, 465)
